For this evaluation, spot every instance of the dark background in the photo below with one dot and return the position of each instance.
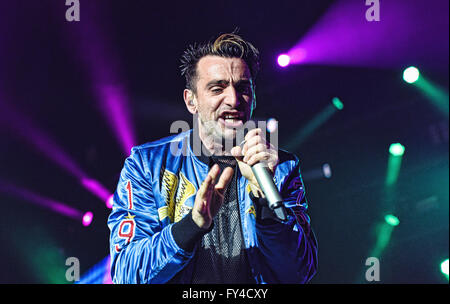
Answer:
(43, 74)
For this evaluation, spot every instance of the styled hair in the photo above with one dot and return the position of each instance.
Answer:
(228, 45)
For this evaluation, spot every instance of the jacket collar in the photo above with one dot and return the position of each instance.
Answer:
(194, 141)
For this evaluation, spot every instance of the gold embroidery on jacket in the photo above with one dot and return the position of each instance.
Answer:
(175, 190)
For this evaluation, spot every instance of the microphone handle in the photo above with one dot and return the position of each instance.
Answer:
(273, 197)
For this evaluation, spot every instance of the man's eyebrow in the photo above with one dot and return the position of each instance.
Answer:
(226, 82)
(217, 82)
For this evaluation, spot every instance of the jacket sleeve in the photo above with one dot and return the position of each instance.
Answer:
(289, 250)
(142, 250)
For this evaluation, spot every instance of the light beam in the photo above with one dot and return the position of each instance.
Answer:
(47, 203)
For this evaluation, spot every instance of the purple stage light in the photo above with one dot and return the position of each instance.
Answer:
(102, 65)
(96, 188)
(45, 202)
(343, 35)
(297, 55)
(22, 126)
(110, 201)
(87, 218)
(116, 110)
(283, 60)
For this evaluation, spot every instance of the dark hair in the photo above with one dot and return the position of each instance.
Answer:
(228, 45)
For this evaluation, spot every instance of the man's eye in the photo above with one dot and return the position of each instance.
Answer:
(216, 90)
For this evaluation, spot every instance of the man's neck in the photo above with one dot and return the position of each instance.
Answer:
(207, 144)
(214, 145)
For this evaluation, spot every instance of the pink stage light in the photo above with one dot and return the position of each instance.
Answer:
(343, 36)
(45, 202)
(115, 108)
(22, 126)
(96, 54)
(110, 201)
(97, 189)
(87, 218)
(283, 60)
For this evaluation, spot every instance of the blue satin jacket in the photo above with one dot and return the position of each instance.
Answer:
(157, 187)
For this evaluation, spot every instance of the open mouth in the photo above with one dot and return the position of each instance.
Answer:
(232, 119)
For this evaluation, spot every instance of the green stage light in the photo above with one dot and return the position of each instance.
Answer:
(444, 268)
(392, 220)
(337, 103)
(310, 127)
(396, 149)
(411, 74)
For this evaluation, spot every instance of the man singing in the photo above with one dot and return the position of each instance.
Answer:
(202, 217)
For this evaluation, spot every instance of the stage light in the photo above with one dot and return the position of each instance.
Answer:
(272, 125)
(21, 125)
(326, 169)
(396, 149)
(283, 60)
(110, 201)
(45, 202)
(436, 94)
(339, 38)
(103, 68)
(392, 220)
(383, 232)
(337, 103)
(411, 74)
(317, 173)
(444, 268)
(87, 218)
(100, 273)
(116, 109)
(310, 127)
(96, 188)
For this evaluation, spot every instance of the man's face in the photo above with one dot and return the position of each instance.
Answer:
(224, 96)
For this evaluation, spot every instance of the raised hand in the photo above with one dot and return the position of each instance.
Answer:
(210, 196)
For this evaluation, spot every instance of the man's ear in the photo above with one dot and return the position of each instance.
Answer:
(189, 100)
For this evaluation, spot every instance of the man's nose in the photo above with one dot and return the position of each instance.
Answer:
(232, 98)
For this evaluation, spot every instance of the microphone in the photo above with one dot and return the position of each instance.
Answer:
(267, 185)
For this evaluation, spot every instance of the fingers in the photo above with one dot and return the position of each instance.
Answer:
(206, 190)
(219, 190)
(210, 179)
(256, 149)
(254, 139)
(214, 172)
(204, 195)
(224, 180)
(237, 153)
(252, 133)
